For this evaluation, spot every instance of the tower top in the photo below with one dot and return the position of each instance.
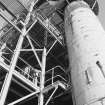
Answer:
(93, 5)
(61, 4)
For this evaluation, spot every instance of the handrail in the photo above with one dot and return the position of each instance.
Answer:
(23, 72)
(58, 66)
(51, 70)
(55, 72)
(56, 77)
(51, 28)
(23, 60)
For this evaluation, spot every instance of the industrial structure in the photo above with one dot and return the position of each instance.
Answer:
(50, 53)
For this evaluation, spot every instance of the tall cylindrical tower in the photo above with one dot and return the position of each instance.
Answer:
(86, 47)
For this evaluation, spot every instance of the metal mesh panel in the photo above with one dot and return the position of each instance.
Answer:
(13, 5)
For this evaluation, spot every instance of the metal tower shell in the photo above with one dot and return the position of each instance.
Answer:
(93, 5)
(85, 40)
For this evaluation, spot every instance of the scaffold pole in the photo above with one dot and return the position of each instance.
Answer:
(42, 78)
(8, 78)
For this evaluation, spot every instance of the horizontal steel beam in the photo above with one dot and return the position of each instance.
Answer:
(19, 76)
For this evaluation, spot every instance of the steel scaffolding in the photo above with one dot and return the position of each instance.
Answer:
(31, 76)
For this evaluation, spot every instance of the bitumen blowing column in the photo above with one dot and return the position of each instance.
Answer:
(86, 47)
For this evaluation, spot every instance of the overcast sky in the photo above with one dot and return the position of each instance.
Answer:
(102, 11)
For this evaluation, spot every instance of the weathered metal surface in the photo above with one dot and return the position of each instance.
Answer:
(86, 46)
(13, 5)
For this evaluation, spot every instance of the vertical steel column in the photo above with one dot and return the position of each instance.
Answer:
(86, 46)
(13, 64)
(42, 78)
(14, 59)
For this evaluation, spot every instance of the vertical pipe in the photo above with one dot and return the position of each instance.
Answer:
(86, 47)
(42, 78)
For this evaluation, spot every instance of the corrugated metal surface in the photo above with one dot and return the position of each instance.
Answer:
(26, 3)
(13, 5)
(2, 21)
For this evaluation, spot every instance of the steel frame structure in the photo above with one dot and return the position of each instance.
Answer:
(41, 89)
